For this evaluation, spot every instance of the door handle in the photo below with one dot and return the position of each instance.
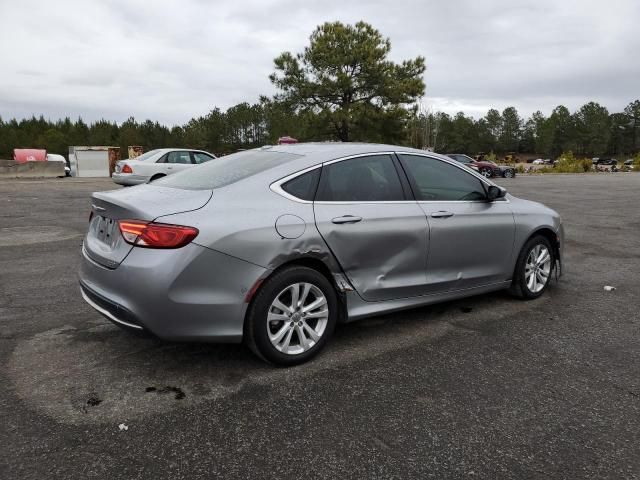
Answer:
(346, 219)
(442, 214)
(169, 168)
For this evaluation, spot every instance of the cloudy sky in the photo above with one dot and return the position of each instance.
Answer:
(172, 60)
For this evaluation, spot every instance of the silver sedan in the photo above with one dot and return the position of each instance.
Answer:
(276, 245)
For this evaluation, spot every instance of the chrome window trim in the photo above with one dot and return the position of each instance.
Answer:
(276, 186)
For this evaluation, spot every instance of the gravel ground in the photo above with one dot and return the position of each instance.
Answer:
(486, 387)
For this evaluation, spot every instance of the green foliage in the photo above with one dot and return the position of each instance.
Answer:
(568, 163)
(511, 130)
(345, 80)
(592, 126)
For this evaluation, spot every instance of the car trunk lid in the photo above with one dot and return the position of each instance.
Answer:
(104, 243)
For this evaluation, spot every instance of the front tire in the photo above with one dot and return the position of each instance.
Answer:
(292, 316)
(534, 268)
(509, 173)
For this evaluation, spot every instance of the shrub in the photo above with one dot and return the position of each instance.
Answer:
(568, 163)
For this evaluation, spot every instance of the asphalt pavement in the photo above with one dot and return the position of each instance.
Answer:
(486, 387)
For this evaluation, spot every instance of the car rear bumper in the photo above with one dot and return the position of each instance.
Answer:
(111, 310)
(129, 179)
(187, 294)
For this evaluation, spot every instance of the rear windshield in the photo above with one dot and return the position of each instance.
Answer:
(146, 156)
(219, 172)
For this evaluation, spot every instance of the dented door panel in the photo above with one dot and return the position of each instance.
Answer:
(381, 247)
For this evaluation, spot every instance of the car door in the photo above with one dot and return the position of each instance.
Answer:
(470, 239)
(377, 233)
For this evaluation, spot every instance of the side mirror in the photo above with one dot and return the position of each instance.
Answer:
(495, 192)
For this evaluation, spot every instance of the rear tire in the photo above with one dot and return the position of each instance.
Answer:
(486, 172)
(534, 268)
(292, 316)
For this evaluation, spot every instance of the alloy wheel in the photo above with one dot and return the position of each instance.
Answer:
(538, 268)
(297, 318)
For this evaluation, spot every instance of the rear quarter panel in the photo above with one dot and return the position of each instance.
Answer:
(240, 220)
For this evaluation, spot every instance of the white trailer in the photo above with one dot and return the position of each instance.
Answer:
(92, 161)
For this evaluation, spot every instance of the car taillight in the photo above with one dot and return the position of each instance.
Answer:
(156, 235)
(126, 169)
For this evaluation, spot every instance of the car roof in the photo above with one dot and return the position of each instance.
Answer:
(161, 151)
(314, 153)
(164, 150)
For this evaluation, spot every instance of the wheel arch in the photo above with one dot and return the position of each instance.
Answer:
(157, 176)
(311, 262)
(551, 235)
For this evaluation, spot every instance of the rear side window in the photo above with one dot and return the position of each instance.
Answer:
(363, 179)
(433, 179)
(183, 158)
(303, 186)
(226, 170)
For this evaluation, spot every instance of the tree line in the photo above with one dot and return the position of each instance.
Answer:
(589, 131)
(343, 87)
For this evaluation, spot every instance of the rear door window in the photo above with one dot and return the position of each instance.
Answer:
(183, 158)
(370, 178)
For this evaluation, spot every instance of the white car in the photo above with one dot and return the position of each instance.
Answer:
(54, 157)
(157, 163)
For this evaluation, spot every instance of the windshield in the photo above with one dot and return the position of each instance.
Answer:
(220, 172)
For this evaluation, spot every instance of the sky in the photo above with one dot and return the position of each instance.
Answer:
(173, 60)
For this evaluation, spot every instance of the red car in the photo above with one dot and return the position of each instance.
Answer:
(484, 167)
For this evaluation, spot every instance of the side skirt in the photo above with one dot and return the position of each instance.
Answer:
(358, 308)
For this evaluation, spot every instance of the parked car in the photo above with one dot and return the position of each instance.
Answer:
(629, 164)
(156, 164)
(484, 167)
(54, 157)
(276, 245)
(604, 161)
